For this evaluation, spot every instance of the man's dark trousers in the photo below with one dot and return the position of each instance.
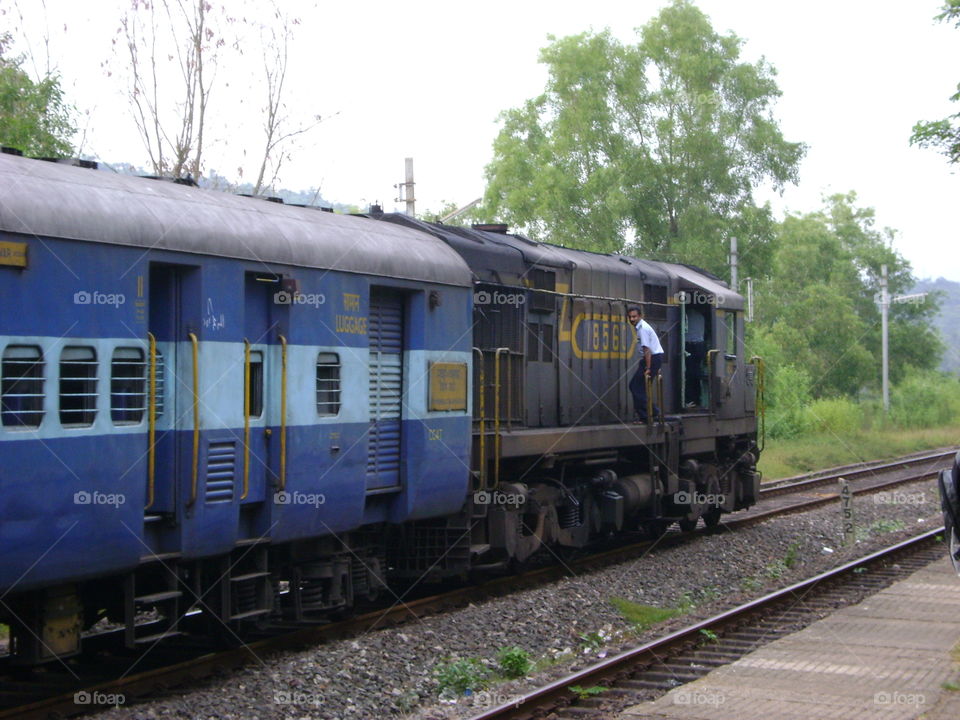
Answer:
(638, 385)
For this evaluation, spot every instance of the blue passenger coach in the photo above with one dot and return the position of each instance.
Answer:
(206, 397)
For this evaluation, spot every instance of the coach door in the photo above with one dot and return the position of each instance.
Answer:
(385, 331)
(168, 370)
(260, 328)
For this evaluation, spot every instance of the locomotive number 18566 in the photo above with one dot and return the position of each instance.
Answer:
(601, 336)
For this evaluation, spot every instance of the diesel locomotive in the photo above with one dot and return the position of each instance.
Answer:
(243, 410)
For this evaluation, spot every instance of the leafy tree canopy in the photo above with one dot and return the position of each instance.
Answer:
(819, 303)
(34, 117)
(653, 148)
(942, 135)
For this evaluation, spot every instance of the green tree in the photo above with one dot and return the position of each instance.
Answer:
(942, 135)
(818, 304)
(34, 117)
(653, 148)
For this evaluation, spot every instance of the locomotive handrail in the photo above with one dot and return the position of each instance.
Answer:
(152, 424)
(496, 413)
(660, 395)
(246, 419)
(761, 397)
(649, 382)
(584, 296)
(482, 410)
(283, 412)
(195, 345)
(711, 354)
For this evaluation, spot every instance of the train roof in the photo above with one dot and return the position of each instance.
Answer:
(694, 278)
(500, 257)
(47, 199)
(504, 257)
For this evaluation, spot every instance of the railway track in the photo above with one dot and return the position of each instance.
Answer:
(51, 691)
(653, 669)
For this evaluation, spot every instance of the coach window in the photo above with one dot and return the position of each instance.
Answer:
(128, 386)
(21, 386)
(255, 391)
(78, 386)
(328, 384)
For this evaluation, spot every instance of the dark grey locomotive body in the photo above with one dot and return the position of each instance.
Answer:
(557, 458)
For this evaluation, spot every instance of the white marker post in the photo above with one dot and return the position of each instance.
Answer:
(846, 511)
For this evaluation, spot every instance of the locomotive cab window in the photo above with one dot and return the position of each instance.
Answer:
(78, 386)
(21, 386)
(730, 322)
(328, 384)
(128, 386)
(255, 389)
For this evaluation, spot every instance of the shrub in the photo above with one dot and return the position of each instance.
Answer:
(836, 416)
(460, 676)
(925, 399)
(788, 392)
(514, 662)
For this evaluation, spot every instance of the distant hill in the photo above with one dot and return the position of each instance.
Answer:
(948, 321)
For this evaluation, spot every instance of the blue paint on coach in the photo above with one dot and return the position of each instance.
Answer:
(99, 294)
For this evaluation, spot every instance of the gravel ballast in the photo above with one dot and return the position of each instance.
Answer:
(562, 626)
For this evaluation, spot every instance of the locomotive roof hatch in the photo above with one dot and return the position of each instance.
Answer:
(57, 200)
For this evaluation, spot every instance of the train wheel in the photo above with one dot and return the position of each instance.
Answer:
(688, 525)
(712, 518)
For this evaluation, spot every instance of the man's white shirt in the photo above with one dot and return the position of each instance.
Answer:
(647, 337)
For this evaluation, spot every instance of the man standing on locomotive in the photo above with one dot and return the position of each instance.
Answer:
(651, 359)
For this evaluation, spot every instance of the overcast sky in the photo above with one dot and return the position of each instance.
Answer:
(426, 79)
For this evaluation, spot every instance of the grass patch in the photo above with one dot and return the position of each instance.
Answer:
(878, 528)
(783, 458)
(460, 676)
(642, 616)
(514, 662)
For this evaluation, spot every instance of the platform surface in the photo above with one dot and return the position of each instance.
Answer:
(890, 657)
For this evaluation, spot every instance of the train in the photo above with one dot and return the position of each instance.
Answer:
(244, 411)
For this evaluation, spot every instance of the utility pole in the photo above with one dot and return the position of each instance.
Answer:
(885, 301)
(884, 307)
(406, 189)
(733, 264)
